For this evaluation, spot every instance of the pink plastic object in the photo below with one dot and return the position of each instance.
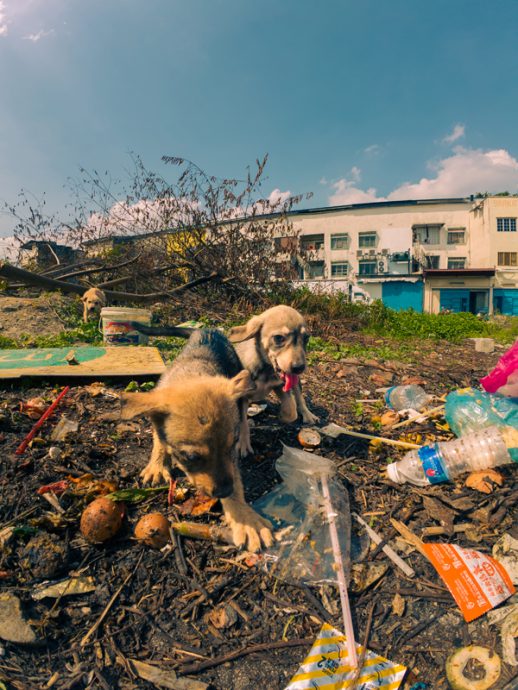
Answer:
(506, 367)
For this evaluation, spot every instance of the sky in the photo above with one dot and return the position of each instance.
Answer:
(353, 100)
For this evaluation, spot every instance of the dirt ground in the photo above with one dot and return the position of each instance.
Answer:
(189, 609)
(32, 315)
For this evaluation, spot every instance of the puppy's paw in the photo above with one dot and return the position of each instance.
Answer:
(155, 473)
(309, 418)
(249, 529)
(244, 447)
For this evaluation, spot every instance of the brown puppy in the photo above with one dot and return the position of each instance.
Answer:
(93, 301)
(195, 411)
(272, 346)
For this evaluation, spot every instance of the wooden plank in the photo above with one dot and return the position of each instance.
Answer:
(93, 362)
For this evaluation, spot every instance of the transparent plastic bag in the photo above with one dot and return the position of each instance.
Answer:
(303, 550)
(469, 410)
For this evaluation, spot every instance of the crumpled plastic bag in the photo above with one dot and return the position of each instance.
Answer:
(469, 409)
(303, 551)
(503, 379)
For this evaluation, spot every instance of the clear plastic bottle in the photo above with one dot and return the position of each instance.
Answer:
(410, 397)
(442, 461)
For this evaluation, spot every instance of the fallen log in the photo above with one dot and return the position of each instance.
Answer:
(9, 272)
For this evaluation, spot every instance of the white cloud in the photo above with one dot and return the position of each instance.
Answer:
(278, 197)
(347, 192)
(38, 36)
(9, 248)
(457, 133)
(465, 172)
(3, 19)
(372, 150)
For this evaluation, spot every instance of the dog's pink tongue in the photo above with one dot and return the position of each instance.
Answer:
(290, 381)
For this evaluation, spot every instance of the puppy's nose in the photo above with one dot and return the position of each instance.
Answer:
(224, 490)
(298, 369)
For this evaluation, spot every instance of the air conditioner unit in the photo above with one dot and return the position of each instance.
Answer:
(381, 267)
(359, 252)
(385, 252)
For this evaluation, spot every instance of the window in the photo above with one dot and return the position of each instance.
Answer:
(312, 242)
(340, 241)
(456, 262)
(368, 268)
(339, 269)
(427, 234)
(456, 236)
(315, 269)
(431, 261)
(506, 224)
(507, 259)
(367, 239)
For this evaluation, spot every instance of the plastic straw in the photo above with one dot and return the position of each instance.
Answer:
(32, 433)
(340, 575)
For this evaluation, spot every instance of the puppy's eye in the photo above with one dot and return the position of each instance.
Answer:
(279, 340)
(191, 458)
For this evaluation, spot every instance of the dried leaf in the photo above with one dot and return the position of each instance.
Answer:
(484, 481)
(33, 408)
(164, 678)
(381, 378)
(438, 511)
(86, 485)
(223, 617)
(366, 574)
(398, 605)
(388, 418)
(197, 505)
(65, 588)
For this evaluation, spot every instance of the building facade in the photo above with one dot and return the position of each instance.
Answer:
(432, 255)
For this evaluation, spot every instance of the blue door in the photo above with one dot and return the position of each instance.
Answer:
(506, 301)
(455, 300)
(400, 294)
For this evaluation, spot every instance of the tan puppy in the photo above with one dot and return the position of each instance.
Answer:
(93, 301)
(272, 346)
(195, 412)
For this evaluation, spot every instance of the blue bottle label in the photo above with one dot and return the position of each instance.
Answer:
(433, 466)
(387, 396)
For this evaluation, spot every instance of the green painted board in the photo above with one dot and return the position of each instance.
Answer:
(93, 362)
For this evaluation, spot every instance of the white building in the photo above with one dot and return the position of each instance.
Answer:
(456, 254)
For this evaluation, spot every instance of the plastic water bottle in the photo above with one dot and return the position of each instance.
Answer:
(490, 447)
(407, 398)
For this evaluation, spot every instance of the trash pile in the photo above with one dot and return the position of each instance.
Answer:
(389, 569)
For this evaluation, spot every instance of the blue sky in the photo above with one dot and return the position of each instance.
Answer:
(354, 100)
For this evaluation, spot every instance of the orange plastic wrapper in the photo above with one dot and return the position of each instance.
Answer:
(477, 582)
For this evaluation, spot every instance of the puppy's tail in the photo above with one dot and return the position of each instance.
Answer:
(176, 331)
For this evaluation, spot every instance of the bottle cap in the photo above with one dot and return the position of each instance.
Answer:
(393, 474)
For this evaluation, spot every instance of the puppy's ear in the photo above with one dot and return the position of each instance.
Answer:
(83, 298)
(240, 333)
(139, 404)
(241, 385)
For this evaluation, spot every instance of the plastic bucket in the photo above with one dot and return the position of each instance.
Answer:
(117, 328)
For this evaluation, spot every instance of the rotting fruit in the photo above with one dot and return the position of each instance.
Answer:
(153, 530)
(101, 520)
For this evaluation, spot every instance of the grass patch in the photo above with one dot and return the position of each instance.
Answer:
(377, 319)
(320, 349)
